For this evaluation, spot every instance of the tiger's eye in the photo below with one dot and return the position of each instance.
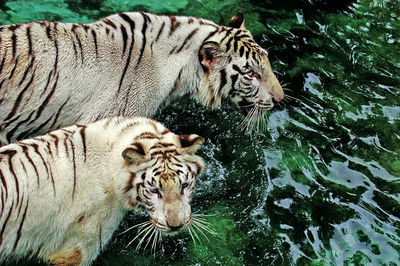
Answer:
(154, 190)
(253, 74)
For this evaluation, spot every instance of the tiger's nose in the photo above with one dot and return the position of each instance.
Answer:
(276, 99)
(174, 228)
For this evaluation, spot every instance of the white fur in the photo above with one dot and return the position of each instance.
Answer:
(56, 221)
(75, 84)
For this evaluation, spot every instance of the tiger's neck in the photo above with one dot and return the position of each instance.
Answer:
(169, 45)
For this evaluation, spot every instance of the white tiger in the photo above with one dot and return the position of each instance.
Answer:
(63, 194)
(58, 74)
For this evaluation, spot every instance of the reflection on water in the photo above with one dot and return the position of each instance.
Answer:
(322, 183)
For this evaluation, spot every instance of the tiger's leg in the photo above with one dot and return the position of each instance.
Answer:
(81, 247)
(75, 251)
(65, 258)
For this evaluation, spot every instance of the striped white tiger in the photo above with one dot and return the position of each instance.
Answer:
(63, 194)
(57, 74)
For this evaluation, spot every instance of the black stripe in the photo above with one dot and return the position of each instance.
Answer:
(74, 165)
(228, 44)
(173, 49)
(74, 46)
(43, 105)
(109, 22)
(48, 32)
(234, 78)
(74, 27)
(13, 70)
(176, 83)
(187, 39)
(83, 136)
(236, 68)
(47, 83)
(5, 186)
(19, 98)
(26, 152)
(85, 27)
(49, 173)
(241, 51)
(14, 45)
(253, 54)
(19, 232)
(160, 31)
(58, 113)
(124, 39)
(226, 35)
(174, 25)
(144, 28)
(29, 36)
(33, 131)
(10, 154)
(55, 137)
(2, 61)
(235, 45)
(95, 42)
(46, 101)
(10, 134)
(223, 80)
(5, 223)
(132, 25)
(210, 35)
(129, 185)
(3, 206)
(22, 203)
(29, 67)
(56, 59)
(128, 19)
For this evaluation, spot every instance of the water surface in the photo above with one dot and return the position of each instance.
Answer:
(321, 184)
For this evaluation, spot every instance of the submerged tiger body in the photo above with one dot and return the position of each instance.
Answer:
(58, 74)
(63, 194)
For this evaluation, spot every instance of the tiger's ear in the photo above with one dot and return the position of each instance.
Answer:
(208, 54)
(135, 153)
(190, 143)
(237, 21)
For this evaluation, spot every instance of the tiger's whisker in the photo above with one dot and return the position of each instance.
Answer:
(190, 232)
(200, 220)
(155, 240)
(249, 105)
(150, 237)
(137, 225)
(206, 228)
(143, 230)
(197, 215)
(200, 230)
(196, 235)
(151, 229)
(289, 97)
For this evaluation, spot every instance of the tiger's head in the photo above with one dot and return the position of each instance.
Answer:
(163, 169)
(235, 67)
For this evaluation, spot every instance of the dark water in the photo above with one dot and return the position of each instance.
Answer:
(319, 186)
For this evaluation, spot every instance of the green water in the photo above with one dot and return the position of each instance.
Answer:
(321, 185)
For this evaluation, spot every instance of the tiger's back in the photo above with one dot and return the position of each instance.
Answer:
(57, 74)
